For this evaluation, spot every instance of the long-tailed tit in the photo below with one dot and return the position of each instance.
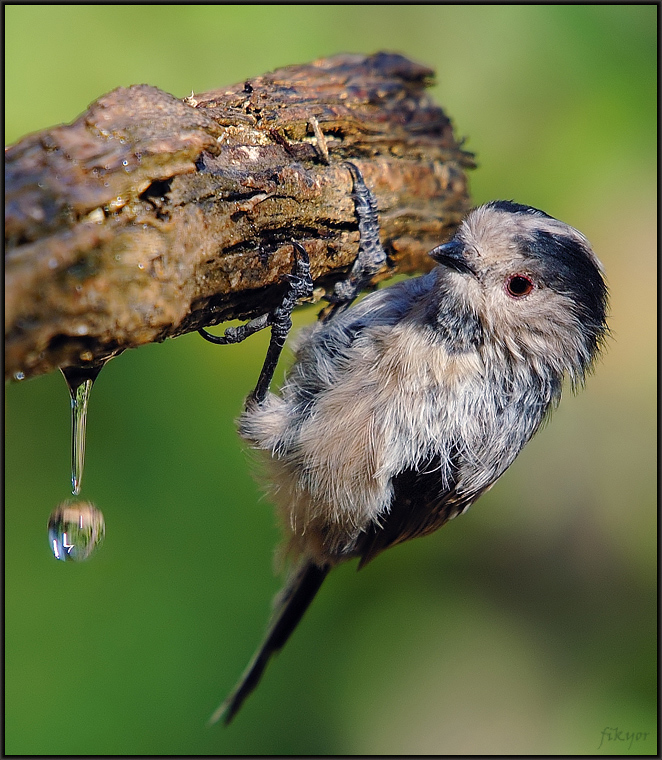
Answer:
(399, 412)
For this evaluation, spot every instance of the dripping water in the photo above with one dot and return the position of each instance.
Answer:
(79, 381)
(75, 529)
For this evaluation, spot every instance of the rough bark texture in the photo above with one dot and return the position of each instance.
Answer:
(149, 216)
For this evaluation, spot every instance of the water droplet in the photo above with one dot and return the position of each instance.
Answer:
(79, 380)
(75, 529)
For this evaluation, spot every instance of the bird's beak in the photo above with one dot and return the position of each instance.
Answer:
(451, 254)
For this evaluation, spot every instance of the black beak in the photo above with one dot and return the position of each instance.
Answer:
(451, 254)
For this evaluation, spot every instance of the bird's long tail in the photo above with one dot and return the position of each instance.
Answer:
(291, 603)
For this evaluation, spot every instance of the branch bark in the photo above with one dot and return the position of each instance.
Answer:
(149, 217)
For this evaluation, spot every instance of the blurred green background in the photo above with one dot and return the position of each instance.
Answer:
(528, 626)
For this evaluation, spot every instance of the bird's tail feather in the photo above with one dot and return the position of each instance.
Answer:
(291, 603)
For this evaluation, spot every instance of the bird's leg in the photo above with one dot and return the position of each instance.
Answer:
(300, 285)
(371, 257)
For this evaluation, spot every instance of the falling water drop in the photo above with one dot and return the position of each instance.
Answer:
(75, 529)
(79, 380)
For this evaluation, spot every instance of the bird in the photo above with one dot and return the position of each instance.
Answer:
(400, 411)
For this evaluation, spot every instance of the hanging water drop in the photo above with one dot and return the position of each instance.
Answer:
(75, 530)
(80, 381)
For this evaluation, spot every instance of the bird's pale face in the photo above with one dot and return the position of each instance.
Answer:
(534, 283)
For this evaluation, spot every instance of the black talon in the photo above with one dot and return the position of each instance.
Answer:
(237, 334)
(299, 277)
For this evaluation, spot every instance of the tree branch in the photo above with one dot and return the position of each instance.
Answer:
(149, 217)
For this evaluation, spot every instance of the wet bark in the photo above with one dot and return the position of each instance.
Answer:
(149, 216)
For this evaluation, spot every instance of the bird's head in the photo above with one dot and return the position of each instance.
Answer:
(534, 283)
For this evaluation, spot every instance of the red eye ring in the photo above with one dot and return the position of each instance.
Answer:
(519, 285)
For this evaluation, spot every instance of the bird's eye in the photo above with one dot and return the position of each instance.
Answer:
(519, 285)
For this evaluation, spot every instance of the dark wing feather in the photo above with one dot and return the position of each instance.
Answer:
(422, 502)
